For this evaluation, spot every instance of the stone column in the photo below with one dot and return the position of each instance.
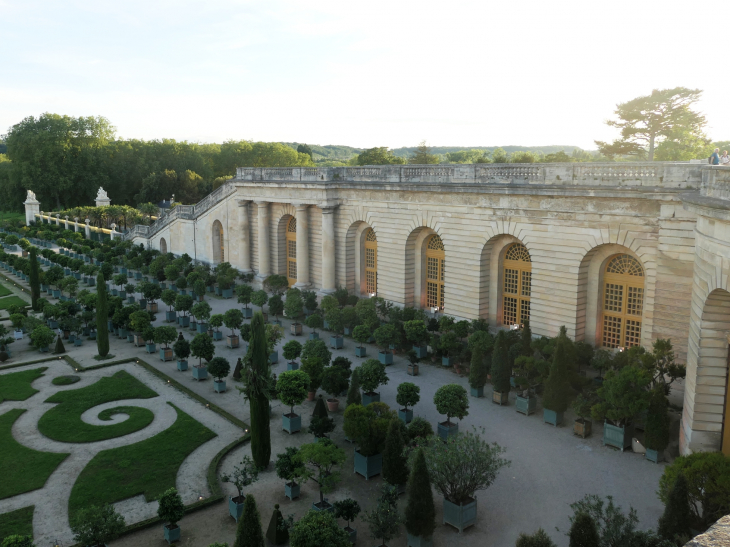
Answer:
(244, 223)
(65, 225)
(58, 219)
(302, 246)
(32, 208)
(264, 241)
(328, 250)
(88, 229)
(76, 224)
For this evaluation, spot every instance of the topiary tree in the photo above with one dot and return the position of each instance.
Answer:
(481, 344)
(318, 529)
(276, 306)
(676, 521)
(321, 423)
(314, 368)
(347, 510)
(368, 426)
(183, 303)
(202, 347)
(290, 466)
(181, 349)
(168, 297)
(258, 388)
(34, 281)
(407, 394)
(451, 400)
(218, 368)
(656, 434)
(500, 365)
(420, 515)
(314, 322)
(557, 386)
(292, 350)
(201, 312)
(96, 525)
(538, 539)
(165, 335)
(395, 461)
(248, 531)
(386, 335)
(622, 396)
(419, 430)
(233, 319)
(361, 334)
(59, 346)
(244, 293)
(216, 321)
(259, 298)
(277, 533)
(294, 306)
(276, 283)
(371, 375)
(322, 460)
(416, 332)
(292, 387)
(584, 532)
(353, 393)
(317, 348)
(334, 381)
(42, 337)
(102, 316)
(171, 508)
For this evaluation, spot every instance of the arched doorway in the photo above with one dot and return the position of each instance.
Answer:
(623, 302)
(291, 251)
(371, 262)
(219, 254)
(435, 272)
(517, 275)
(163, 246)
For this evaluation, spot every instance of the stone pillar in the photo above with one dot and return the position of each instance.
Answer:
(328, 250)
(88, 229)
(102, 200)
(76, 224)
(302, 246)
(113, 232)
(244, 223)
(264, 240)
(65, 222)
(58, 219)
(32, 208)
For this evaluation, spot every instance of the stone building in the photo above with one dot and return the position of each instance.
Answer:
(621, 254)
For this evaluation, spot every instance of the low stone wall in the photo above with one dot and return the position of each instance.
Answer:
(717, 536)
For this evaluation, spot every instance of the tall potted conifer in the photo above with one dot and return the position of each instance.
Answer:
(420, 517)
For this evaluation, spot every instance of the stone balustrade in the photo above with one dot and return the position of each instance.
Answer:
(716, 182)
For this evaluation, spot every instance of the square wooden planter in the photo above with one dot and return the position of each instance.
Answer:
(165, 354)
(500, 398)
(182, 365)
(412, 370)
(582, 428)
(445, 431)
(217, 335)
(552, 417)
(361, 351)
(385, 357)
(314, 336)
(291, 423)
(274, 357)
(477, 391)
(418, 541)
(235, 507)
(200, 372)
(460, 516)
(152, 307)
(292, 490)
(220, 387)
(296, 329)
(171, 534)
(372, 397)
(525, 405)
(421, 351)
(232, 341)
(368, 466)
(247, 313)
(618, 437)
(405, 415)
(336, 342)
(655, 456)
(184, 321)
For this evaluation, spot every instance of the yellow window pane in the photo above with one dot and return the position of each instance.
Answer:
(634, 301)
(511, 280)
(524, 311)
(432, 270)
(613, 298)
(292, 269)
(291, 247)
(509, 313)
(526, 283)
(432, 295)
(370, 278)
(611, 331)
(369, 258)
(633, 333)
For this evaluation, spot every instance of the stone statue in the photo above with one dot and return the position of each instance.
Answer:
(30, 196)
(101, 194)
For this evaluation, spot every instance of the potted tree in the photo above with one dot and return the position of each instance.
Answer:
(140, 322)
(292, 387)
(93, 526)
(218, 368)
(460, 468)
(656, 434)
(129, 288)
(582, 408)
(165, 335)
(182, 351)
(321, 423)
(321, 460)
(334, 320)
(149, 335)
(120, 280)
(451, 400)
(242, 476)
(395, 459)
(151, 293)
(334, 382)
(408, 394)
(622, 396)
(529, 372)
(260, 298)
(384, 521)
(290, 468)
(417, 334)
(500, 371)
(558, 391)
(385, 336)
(294, 308)
(168, 297)
(201, 312)
(420, 517)
(183, 304)
(291, 351)
(361, 334)
(216, 322)
(233, 319)
(244, 293)
(347, 510)
(201, 347)
(171, 510)
(480, 344)
(449, 343)
(368, 427)
(371, 375)
(318, 528)
(41, 338)
(314, 322)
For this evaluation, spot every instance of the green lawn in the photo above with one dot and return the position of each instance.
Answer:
(8, 301)
(18, 522)
(63, 422)
(4, 291)
(16, 386)
(24, 469)
(148, 467)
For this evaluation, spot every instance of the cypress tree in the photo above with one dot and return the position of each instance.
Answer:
(35, 283)
(248, 532)
(675, 521)
(102, 316)
(237, 370)
(395, 462)
(500, 365)
(353, 393)
(276, 533)
(320, 409)
(258, 380)
(420, 511)
(59, 346)
(557, 386)
(584, 532)
(526, 340)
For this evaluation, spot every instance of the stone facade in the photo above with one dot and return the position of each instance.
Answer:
(573, 219)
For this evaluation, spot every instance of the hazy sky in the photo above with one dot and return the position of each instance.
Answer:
(376, 73)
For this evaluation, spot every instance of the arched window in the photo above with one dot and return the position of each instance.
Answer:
(371, 262)
(517, 284)
(163, 246)
(291, 251)
(435, 270)
(219, 254)
(623, 302)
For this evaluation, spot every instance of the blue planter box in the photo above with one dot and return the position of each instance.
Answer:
(274, 358)
(352, 533)
(385, 357)
(232, 341)
(122, 333)
(172, 535)
(368, 466)
(292, 365)
(56, 294)
(44, 349)
(618, 437)
(368, 398)
(447, 361)
(418, 541)
(421, 351)
(138, 275)
(151, 348)
(200, 373)
(194, 326)
(218, 291)
(227, 293)
(327, 506)
(405, 415)
(142, 303)
(184, 321)
(526, 405)
(361, 351)
(326, 324)
(122, 294)
(552, 417)
(235, 507)
(78, 342)
(202, 328)
(115, 292)
(165, 354)
(53, 324)
(477, 391)
(247, 313)
(130, 337)
(217, 335)
(314, 336)
(209, 288)
(220, 387)
(445, 431)
(291, 490)
(512, 381)
(130, 299)
(654, 455)
(291, 423)
(92, 335)
(182, 365)
(170, 316)
(460, 516)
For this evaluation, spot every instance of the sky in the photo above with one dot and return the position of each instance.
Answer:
(364, 74)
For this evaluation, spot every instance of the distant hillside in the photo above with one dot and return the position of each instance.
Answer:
(329, 152)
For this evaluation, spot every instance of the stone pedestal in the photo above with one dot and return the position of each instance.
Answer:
(32, 208)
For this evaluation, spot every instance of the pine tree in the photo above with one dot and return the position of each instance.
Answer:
(102, 316)
(557, 386)
(674, 523)
(257, 380)
(395, 463)
(59, 346)
(584, 532)
(420, 515)
(249, 532)
(35, 284)
(353, 394)
(500, 365)
(277, 533)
